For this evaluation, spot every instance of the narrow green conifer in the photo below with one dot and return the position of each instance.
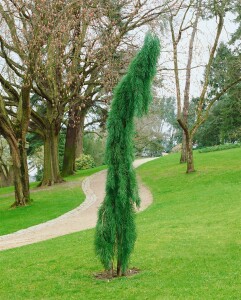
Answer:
(115, 229)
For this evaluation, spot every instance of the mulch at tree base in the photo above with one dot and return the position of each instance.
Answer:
(107, 275)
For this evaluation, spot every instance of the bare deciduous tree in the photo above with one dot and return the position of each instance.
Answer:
(20, 48)
(185, 19)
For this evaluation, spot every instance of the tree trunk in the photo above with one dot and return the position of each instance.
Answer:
(15, 135)
(80, 136)
(74, 141)
(24, 168)
(183, 158)
(190, 161)
(18, 149)
(69, 151)
(21, 180)
(3, 179)
(51, 173)
(6, 176)
(118, 268)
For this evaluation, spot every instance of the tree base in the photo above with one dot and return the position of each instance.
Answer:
(65, 174)
(108, 275)
(22, 204)
(15, 205)
(50, 182)
(190, 171)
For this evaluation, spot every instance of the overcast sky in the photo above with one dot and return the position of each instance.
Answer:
(205, 38)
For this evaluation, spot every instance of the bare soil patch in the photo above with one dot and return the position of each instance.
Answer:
(109, 275)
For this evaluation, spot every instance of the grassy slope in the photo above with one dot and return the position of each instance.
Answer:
(188, 243)
(48, 204)
(10, 189)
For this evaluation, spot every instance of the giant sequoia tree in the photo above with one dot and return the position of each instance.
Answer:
(115, 230)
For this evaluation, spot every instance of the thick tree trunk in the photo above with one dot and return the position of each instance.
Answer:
(51, 173)
(15, 134)
(18, 149)
(74, 141)
(80, 136)
(183, 158)
(69, 151)
(21, 180)
(189, 151)
(24, 169)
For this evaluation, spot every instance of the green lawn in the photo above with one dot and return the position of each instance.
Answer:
(10, 189)
(48, 203)
(188, 247)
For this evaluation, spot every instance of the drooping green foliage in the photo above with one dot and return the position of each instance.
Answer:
(115, 230)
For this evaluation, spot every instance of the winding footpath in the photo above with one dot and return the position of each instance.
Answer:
(81, 218)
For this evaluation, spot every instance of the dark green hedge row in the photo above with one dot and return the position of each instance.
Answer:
(219, 148)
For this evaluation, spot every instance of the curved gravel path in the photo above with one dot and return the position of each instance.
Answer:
(81, 218)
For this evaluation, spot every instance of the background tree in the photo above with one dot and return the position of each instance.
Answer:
(6, 171)
(81, 46)
(188, 14)
(20, 48)
(158, 130)
(94, 145)
(224, 122)
(236, 36)
(109, 30)
(115, 229)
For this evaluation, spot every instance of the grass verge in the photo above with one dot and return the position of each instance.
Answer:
(48, 203)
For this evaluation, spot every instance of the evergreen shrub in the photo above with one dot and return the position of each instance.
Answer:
(84, 162)
(115, 230)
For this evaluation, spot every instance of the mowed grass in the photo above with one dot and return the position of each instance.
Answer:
(48, 203)
(188, 246)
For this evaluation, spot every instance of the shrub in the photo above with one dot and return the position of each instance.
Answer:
(177, 148)
(95, 147)
(84, 162)
(219, 148)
